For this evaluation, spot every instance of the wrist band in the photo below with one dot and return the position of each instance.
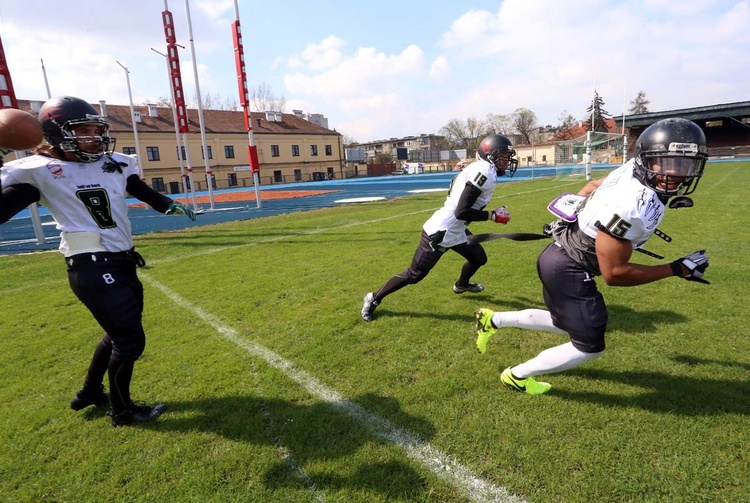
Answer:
(676, 268)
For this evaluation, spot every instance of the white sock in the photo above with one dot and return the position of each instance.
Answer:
(556, 359)
(533, 319)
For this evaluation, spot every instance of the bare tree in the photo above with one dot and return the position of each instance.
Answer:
(524, 122)
(640, 104)
(567, 123)
(349, 142)
(460, 134)
(499, 124)
(263, 99)
(213, 101)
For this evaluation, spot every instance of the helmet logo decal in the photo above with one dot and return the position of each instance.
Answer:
(683, 147)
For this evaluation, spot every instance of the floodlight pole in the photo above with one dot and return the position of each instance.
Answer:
(132, 118)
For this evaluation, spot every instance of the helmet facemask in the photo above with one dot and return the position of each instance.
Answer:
(500, 157)
(70, 142)
(675, 171)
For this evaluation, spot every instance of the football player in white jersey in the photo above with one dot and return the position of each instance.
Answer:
(446, 229)
(83, 183)
(618, 215)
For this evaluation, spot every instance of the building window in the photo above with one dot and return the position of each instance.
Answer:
(210, 153)
(128, 150)
(544, 158)
(295, 150)
(329, 150)
(297, 175)
(229, 151)
(180, 153)
(158, 184)
(232, 179)
(277, 176)
(313, 150)
(275, 151)
(152, 153)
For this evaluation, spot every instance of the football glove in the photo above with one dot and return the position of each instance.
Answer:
(500, 215)
(176, 208)
(696, 263)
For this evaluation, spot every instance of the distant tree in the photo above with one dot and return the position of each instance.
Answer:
(640, 104)
(567, 123)
(499, 124)
(597, 115)
(524, 122)
(212, 101)
(349, 142)
(464, 134)
(161, 102)
(263, 99)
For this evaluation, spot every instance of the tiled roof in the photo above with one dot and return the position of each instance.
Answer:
(581, 128)
(216, 121)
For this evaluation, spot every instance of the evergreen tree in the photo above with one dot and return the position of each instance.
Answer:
(640, 104)
(596, 115)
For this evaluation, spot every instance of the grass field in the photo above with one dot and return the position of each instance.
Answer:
(277, 391)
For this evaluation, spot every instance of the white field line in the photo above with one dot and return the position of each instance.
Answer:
(440, 464)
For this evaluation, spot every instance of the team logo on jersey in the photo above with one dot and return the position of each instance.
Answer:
(650, 207)
(55, 168)
(110, 166)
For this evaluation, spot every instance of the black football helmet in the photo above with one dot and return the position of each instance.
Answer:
(670, 156)
(493, 148)
(59, 116)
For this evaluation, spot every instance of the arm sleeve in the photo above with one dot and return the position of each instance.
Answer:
(464, 210)
(15, 198)
(138, 189)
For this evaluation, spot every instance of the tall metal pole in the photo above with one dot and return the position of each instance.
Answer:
(132, 118)
(177, 133)
(239, 59)
(209, 174)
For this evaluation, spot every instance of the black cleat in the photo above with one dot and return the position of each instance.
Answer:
(136, 413)
(471, 287)
(85, 397)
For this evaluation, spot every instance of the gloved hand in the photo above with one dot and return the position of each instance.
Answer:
(180, 209)
(500, 215)
(696, 263)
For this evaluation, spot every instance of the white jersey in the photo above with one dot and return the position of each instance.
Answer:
(622, 205)
(82, 197)
(482, 175)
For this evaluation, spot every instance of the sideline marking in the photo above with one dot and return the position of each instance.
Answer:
(440, 464)
(422, 191)
(360, 199)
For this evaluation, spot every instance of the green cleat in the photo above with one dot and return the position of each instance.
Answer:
(528, 385)
(485, 330)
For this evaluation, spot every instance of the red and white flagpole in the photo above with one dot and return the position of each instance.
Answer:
(239, 60)
(8, 100)
(178, 101)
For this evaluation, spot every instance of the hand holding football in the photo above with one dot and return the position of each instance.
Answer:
(19, 130)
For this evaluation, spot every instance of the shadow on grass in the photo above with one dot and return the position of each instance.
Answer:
(306, 435)
(693, 361)
(664, 393)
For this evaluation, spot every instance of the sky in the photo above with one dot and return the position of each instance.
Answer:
(387, 69)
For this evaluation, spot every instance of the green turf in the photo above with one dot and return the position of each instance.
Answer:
(664, 415)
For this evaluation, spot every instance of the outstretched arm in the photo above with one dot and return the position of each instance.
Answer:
(617, 270)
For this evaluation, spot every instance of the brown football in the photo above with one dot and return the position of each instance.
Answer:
(19, 130)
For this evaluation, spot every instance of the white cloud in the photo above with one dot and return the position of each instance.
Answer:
(324, 55)
(440, 68)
